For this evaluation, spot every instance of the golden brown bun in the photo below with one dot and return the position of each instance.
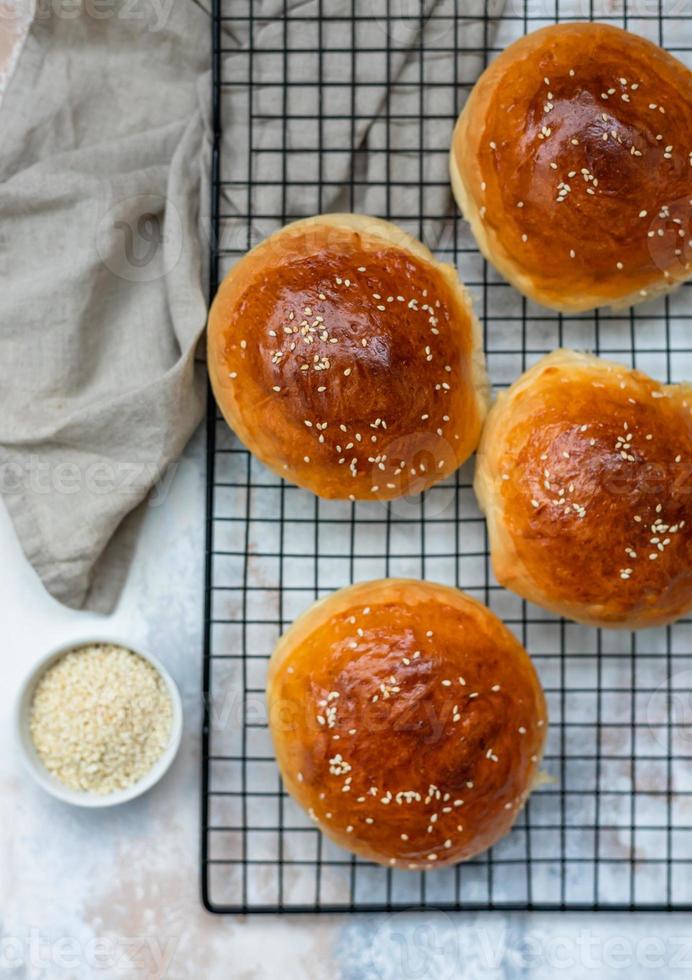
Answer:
(571, 162)
(348, 360)
(407, 720)
(584, 474)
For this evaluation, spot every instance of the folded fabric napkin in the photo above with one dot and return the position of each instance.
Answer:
(104, 164)
(104, 224)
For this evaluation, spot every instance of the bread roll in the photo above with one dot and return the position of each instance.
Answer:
(571, 161)
(584, 474)
(407, 720)
(348, 360)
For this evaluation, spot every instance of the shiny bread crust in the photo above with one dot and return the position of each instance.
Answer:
(584, 473)
(349, 360)
(571, 161)
(407, 721)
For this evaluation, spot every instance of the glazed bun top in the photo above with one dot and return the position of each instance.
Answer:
(584, 475)
(572, 162)
(348, 360)
(407, 720)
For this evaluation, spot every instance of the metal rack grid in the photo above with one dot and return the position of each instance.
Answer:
(614, 829)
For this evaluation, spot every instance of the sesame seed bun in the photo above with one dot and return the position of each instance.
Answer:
(584, 476)
(349, 360)
(571, 161)
(407, 721)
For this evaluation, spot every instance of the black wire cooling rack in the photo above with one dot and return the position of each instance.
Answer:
(349, 105)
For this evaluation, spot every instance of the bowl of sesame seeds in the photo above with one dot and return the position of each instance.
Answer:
(98, 722)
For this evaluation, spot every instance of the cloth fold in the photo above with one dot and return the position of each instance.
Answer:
(104, 223)
(104, 165)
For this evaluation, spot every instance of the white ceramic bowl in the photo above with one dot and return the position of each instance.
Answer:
(47, 780)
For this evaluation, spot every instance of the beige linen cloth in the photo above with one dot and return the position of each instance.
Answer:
(105, 153)
(104, 163)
